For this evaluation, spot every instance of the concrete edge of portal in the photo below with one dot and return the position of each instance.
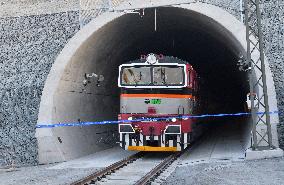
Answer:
(263, 154)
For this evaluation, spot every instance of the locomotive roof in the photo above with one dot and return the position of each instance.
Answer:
(165, 59)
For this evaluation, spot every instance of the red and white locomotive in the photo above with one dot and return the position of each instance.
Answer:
(157, 93)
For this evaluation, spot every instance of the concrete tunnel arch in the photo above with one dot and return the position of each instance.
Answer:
(110, 38)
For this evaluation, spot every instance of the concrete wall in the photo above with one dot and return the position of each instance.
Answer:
(65, 99)
(31, 40)
(273, 29)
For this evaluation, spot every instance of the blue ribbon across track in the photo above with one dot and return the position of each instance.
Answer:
(145, 119)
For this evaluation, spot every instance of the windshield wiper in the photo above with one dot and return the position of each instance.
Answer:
(163, 76)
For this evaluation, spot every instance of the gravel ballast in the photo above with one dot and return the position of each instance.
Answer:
(268, 171)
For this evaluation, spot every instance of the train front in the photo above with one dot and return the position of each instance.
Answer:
(157, 96)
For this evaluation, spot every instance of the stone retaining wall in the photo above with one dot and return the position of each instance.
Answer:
(28, 47)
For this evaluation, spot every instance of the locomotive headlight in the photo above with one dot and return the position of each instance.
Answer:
(130, 118)
(151, 59)
(174, 119)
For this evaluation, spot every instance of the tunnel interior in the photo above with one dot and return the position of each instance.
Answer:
(181, 33)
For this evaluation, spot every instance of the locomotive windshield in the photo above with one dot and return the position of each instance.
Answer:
(170, 75)
(136, 76)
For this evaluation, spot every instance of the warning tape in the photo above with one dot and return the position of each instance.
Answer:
(145, 119)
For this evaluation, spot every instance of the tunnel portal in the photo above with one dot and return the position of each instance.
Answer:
(189, 35)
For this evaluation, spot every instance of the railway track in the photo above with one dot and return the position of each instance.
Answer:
(141, 168)
(150, 176)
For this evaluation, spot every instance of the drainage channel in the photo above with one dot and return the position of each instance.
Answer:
(138, 169)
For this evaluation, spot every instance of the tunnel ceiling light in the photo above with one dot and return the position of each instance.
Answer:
(151, 59)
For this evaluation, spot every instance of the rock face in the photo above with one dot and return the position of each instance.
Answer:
(273, 29)
(29, 45)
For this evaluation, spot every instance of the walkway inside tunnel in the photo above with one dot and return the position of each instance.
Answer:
(188, 35)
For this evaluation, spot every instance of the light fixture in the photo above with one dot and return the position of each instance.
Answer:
(174, 119)
(151, 59)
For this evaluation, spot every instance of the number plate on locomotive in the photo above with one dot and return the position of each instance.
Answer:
(153, 101)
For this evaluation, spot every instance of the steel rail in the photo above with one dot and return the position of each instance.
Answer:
(166, 162)
(110, 169)
(159, 168)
